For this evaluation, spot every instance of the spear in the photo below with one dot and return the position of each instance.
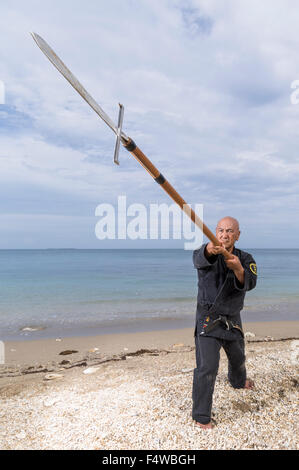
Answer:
(126, 141)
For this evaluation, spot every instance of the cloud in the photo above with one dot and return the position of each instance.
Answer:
(195, 22)
(206, 89)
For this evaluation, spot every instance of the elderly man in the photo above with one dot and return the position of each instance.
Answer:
(224, 275)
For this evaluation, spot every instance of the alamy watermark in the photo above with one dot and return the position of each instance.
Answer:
(295, 351)
(295, 95)
(158, 221)
(2, 353)
(2, 92)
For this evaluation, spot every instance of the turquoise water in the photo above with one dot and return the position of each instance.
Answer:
(73, 292)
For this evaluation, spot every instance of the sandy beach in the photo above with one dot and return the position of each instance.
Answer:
(133, 391)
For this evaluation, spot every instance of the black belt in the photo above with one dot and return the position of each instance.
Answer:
(229, 325)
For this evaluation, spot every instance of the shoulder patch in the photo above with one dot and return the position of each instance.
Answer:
(253, 268)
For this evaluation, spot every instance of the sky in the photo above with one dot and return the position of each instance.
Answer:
(208, 97)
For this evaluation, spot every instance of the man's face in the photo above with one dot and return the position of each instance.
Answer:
(227, 232)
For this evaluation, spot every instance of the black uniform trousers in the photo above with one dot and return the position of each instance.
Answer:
(207, 363)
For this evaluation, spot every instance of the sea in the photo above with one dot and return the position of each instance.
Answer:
(73, 292)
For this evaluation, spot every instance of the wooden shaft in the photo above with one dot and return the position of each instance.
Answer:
(190, 212)
(155, 173)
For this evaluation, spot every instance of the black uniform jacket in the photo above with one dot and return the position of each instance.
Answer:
(220, 292)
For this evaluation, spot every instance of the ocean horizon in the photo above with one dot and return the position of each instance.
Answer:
(60, 292)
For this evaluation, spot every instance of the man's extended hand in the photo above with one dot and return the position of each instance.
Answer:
(235, 264)
(211, 249)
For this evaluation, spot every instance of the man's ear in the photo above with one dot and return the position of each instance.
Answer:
(238, 235)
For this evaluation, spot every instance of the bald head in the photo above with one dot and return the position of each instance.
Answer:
(229, 220)
(228, 232)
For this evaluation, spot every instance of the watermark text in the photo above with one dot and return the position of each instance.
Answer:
(2, 92)
(295, 351)
(158, 221)
(2, 353)
(295, 95)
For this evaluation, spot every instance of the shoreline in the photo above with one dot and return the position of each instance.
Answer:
(33, 331)
(37, 354)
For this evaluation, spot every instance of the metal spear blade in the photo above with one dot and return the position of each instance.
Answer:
(70, 77)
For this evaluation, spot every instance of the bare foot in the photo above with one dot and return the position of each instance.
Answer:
(249, 384)
(209, 425)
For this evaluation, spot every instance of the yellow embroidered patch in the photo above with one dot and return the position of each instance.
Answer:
(253, 268)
